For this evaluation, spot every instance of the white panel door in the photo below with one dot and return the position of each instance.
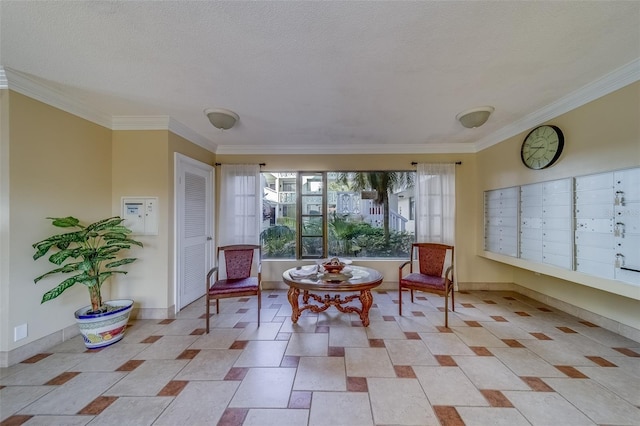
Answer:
(194, 228)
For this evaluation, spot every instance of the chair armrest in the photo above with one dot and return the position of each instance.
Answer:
(209, 274)
(449, 269)
(404, 264)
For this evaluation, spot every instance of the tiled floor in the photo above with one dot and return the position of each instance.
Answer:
(505, 360)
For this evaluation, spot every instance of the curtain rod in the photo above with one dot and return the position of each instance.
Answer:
(220, 164)
(414, 163)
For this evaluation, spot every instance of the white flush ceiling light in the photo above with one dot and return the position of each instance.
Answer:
(221, 118)
(475, 117)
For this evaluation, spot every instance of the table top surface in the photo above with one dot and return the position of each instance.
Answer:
(352, 278)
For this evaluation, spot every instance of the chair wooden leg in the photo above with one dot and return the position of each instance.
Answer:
(259, 307)
(217, 306)
(446, 309)
(411, 296)
(453, 302)
(207, 314)
(400, 301)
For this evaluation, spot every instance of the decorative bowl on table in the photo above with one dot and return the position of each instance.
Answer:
(334, 265)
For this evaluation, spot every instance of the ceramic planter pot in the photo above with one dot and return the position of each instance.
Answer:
(100, 330)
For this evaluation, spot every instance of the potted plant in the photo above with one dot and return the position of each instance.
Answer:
(90, 253)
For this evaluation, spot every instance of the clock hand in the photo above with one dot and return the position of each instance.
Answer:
(534, 151)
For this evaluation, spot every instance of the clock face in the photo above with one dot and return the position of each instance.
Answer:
(542, 147)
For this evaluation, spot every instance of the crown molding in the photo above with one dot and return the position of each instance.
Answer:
(609, 83)
(27, 86)
(348, 149)
(181, 130)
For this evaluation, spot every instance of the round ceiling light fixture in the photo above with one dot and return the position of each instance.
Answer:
(475, 117)
(221, 118)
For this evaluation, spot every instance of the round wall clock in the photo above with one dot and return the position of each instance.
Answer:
(542, 147)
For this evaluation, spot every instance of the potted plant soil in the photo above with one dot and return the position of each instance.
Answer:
(90, 253)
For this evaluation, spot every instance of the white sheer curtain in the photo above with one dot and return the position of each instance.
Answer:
(240, 200)
(436, 203)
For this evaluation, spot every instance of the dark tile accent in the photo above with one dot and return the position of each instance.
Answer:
(448, 416)
(2, 386)
(441, 308)
(417, 313)
(356, 324)
(97, 406)
(15, 420)
(498, 318)
(173, 388)
(388, 318)
(357, 384)
(151, 339)
(283, 336)
(130, 365)
(467, 305)
(588, 324)
(300, 399)
(463, 292)
(495, 398)
(36, 358)
(322, 329)
(446, 361)
(241, 324)
(374, 305)
(509, 298)
(376, 343)
(571, 371)
(290, 361)
(336, 351)
(513, 343)
(275, 306)
(63, 378)
(412, 335)
(203, 316)
(481, 350)
(381, 292)
(242, 311)
(543, 309)
(627, 352)
(600, 361)
(272, 296)
(523, 314)
(566, 330)
(236, 373)
(404, 372)
(541, 336)
(473, 323)
(239, 344)
(397, 302)
(443, 329)
(188, 354)
(166, 321)
(198, 332)
(421, 298)
(233, 417)
(489, 302)
(537, 384)
(244, 299)
(93, 351)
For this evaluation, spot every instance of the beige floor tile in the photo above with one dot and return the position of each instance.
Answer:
(132, 410)
(15, 398)
(489, 373)
(618, 381)
(416, 324)
(305, 324)
(599, 404)
(308, 344)
(199, 403)
(321, 374)
(400, 402)
(276, 417)
(547, 408)
(218, 338)
(409, 352)
(483, 416)
(368, 362)
(506, 330)
(209, 364)
(340, 409)
(478, 336)
(111, 357)
(167, 347)
(148, 379)
(445, 344)
(266, 331)
(44, 370)
(59, 421)
(261, 353)
(348, 336)
(265, 388)
(385, 330)
(523, 362)
(448, 386)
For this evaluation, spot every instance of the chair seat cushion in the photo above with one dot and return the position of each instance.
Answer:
(423, 281)
(234, 286)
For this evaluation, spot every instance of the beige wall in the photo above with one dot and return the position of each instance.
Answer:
(59, 165)
(601, 136)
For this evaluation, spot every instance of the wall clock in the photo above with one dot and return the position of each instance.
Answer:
(542, 147)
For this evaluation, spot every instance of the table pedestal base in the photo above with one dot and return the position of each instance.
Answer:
(365, 297)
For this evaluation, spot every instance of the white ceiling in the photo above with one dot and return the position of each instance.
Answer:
(321, 76)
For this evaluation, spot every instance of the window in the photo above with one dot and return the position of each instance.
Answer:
(348, 214)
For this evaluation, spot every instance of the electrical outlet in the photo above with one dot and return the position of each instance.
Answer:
(20, 332)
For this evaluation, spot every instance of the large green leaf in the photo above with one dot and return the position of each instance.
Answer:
(43, 246)
(105, 224)
(65, 222)
(121, 262)
(52, 294)
(59, 257)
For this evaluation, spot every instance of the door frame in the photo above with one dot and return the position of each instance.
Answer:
(181, 162)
